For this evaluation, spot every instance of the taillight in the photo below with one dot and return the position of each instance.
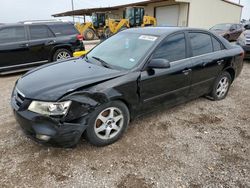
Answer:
(79, 37)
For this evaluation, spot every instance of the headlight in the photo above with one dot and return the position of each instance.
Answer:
(50, 108)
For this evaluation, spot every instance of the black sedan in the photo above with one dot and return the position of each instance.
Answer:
(130, 74)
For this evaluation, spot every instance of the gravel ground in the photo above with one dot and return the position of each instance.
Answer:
(198, 144)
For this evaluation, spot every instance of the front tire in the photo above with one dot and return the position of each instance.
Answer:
(107, 123)
(221, 86)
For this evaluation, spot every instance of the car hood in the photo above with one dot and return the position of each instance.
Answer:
(51, 82)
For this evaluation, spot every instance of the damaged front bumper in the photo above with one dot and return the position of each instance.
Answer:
(47, 131)
(55, 131)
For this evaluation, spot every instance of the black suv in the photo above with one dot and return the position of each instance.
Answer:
(28, 44)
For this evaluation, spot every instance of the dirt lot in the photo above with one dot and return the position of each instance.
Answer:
(198, 144)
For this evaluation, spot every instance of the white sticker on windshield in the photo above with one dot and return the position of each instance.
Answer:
(148, 37)
(132, 60)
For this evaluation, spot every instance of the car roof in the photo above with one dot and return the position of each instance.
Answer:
(160, 31)
(34, 23)
(165, 31)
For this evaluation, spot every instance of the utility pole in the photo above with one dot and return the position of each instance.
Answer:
(72, 3)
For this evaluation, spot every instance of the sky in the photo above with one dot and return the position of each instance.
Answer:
(20, 10)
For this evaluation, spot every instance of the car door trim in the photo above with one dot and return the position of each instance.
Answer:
(189, 58)
(164, 94)
(33, 63)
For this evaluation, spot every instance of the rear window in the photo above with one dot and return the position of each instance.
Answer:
(239, 26)
(217, 45)
(12, 34)
(201, 43)
(64, 29)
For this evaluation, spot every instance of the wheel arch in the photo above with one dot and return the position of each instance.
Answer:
(128, 105)
(67, 47)
(231, 71)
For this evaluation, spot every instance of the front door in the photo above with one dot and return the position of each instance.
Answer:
(167, 86)
(14, 50)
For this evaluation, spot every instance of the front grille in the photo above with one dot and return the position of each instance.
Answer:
(18, 98)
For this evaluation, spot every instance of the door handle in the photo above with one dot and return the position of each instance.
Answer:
(220, 62)
(50, 42)
(186, 71)
(24, 45)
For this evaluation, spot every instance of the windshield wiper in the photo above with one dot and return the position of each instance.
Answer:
(104, 63)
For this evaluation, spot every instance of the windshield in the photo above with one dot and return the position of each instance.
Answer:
(129, 13)
(223, 27)
(123, 50)
(94, 17)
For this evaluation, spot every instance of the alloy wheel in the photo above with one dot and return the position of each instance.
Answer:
(63, 55)
(109, 123)
(222, 87)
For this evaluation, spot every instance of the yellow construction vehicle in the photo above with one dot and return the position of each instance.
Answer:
(93, 29)
(132, 17)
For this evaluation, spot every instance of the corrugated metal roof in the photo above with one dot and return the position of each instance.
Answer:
(89, 11)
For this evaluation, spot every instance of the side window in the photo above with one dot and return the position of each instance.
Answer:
(201, 43)
(172, 49)
(39, 32)
(217, 45)
(12, 34)
(63, 29)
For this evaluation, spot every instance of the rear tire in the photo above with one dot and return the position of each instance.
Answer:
(62, 54)
(221, 86)
(89, 34)
(107, 123)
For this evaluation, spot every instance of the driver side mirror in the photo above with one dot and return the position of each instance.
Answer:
(159, 64)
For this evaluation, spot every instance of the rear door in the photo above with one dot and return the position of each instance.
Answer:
(167, 86)
(14, 49)
(208, 59)
(41, 42)
(67, 35)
